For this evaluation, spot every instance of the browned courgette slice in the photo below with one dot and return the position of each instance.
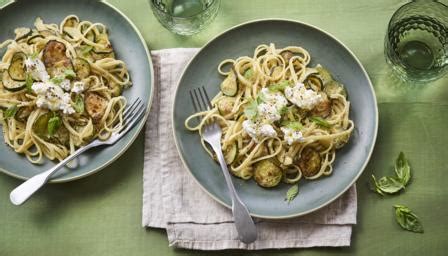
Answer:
(16, 69)
(82, 68)
(55, 59)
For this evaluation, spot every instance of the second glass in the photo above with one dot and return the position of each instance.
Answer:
(416, 44)
(185, 17)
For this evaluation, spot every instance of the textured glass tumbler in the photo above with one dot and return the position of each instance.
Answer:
(416, 43)
(185, 17)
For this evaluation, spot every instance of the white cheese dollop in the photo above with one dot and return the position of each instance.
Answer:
(273, 102)
(37, 69)
(78, 87)
(258, 131)
(52, 97)
(65, 84)
(302, 97)
(291, 135)
(274, 98)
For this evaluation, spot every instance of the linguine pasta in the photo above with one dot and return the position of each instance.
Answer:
(281, 119)
(60, 88)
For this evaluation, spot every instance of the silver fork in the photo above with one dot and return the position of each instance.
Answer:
(212, 135)
(131, 115)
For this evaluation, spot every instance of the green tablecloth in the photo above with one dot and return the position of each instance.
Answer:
(101, 214)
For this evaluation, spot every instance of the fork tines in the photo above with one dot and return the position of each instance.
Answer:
(200, 99)
(132, 114)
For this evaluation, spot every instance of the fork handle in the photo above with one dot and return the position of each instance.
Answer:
(20, 194)
(244, 223)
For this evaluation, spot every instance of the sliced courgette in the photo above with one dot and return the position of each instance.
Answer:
(16, 69)
(11, 85)
(82, 67)
(23, 113)
(33, 39)
(324, 74)
(225, 105)
(90, 35)
(47, 33)
(22, 33)
(55, 59)
(334, 87)
(70, 23)
(229, 86)
(314, 82)
(231, 153)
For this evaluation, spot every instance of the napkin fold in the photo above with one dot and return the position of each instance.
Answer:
(173, 200)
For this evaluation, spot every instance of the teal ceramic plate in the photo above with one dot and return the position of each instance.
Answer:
(129, 46)
(325, 49)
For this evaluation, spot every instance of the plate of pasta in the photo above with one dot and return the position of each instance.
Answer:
(297, 111)
(65, 80)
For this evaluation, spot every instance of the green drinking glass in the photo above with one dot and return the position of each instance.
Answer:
(185, 17)
(416, 43)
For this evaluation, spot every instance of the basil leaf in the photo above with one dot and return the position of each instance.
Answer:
(79, 104)
(320, 121)
(69, 73)
(11, 111)
(407, 219)
(280, 86)
(34, 55)
(248, 74)
(251, 109)
(85, 49)
(29, 83)
(283, 110)
(292, 193)
(57, 80)
(261, 98)
(295, 125)
(402, 169)
(53, 125)
(389, 185)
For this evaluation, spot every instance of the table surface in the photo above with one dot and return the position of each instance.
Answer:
(101, 214)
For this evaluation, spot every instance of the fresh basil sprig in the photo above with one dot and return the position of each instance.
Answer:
(388, 185)
(393, 184)
(402, 169)
(407, 219)
(292, 193)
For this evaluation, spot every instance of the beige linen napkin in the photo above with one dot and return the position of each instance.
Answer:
(172, 200)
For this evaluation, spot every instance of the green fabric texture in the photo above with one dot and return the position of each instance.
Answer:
(101, 214)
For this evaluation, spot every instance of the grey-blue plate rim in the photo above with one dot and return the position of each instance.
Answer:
(370, 87)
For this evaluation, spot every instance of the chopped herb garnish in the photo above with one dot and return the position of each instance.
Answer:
(295, 125)
(29, 82)
(292, 193)
(251, 109)
(79, 104)
(248, 74)
(11, 111)
(34, 55)
(320, 121)
(280, 86)
(57, 80)
(69, 73)
(53, 124)
(85, 49)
